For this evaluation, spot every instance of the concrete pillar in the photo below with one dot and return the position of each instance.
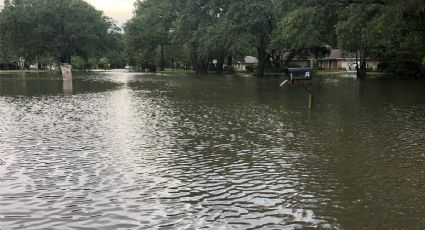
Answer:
(67, 87)
(66, 71)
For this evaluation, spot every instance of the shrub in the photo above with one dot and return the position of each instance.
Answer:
(229, 69)
(250, 68)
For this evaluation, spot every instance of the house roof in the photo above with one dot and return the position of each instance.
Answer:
(285, 57)
(251, 60)
(335, 54)
(339, 54)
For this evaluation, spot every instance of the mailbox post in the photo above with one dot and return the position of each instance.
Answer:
(304, 77)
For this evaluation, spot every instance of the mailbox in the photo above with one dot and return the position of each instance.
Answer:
(303, 77)
(299, 74)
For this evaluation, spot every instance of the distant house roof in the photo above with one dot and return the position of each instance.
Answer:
(251, 60)
(339, 54)
(286, 55)
(335, 54)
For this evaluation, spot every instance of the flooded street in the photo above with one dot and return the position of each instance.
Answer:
(134, 151)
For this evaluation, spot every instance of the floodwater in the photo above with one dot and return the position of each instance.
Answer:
(132, 151)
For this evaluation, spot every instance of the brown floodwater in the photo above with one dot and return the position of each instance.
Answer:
(141, 151)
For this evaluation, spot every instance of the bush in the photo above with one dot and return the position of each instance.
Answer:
(410, 57)
(229, 69)
(250, 68)
(79, 63)
(384, 66)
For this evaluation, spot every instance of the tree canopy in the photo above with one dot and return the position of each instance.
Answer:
(209, 35)
(218, 29)
(58, 29)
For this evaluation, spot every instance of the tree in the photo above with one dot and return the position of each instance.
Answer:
(303, 27)
(390, 29)
(59, 29)
(399, 36)
(201, 25)
(218, 29)
(355, 31)
(149, 30)
(254, 20)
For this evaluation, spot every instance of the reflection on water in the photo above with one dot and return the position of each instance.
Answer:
(39, 84)
(130, 151)
(67, 86)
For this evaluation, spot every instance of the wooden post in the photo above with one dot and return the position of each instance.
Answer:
(310, 100)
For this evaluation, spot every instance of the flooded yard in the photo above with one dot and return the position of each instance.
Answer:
(139, 151)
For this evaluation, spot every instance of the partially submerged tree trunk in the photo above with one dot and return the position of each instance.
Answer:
(202, 67)
(263, 56)
(230, 60)
(194, 58)
(362, 69)
(262, 60)
(162, 61)
(220, 62)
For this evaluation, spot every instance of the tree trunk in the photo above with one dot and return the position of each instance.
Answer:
(65, 58)
(230, 60)
(220, 62)
(362, 69)
(194, 58)
(162, 62)
(202, 67)
(357, 64)
(262, 56)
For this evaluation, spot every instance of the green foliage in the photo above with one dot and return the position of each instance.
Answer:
(250, 68)
(193, 33)
(392, 30)
(104, 63)
(79, 63)
(229, 69)
(58, 29)
(148, 31)
(303, 30)
(409, 59)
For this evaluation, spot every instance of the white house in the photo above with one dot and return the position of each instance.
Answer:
(248, 60)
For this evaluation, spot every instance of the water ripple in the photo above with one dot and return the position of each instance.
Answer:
(196, 153)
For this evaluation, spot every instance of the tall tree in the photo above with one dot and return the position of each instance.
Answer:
(304, 28)
(355, 29)
(254, 20)
(150, 29)
(59, 29)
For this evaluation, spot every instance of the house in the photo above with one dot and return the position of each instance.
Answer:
(248, 61)
(340, 60)
(300, 61)
(336, 60)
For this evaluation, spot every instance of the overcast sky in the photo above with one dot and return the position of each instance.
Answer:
(120, 10)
